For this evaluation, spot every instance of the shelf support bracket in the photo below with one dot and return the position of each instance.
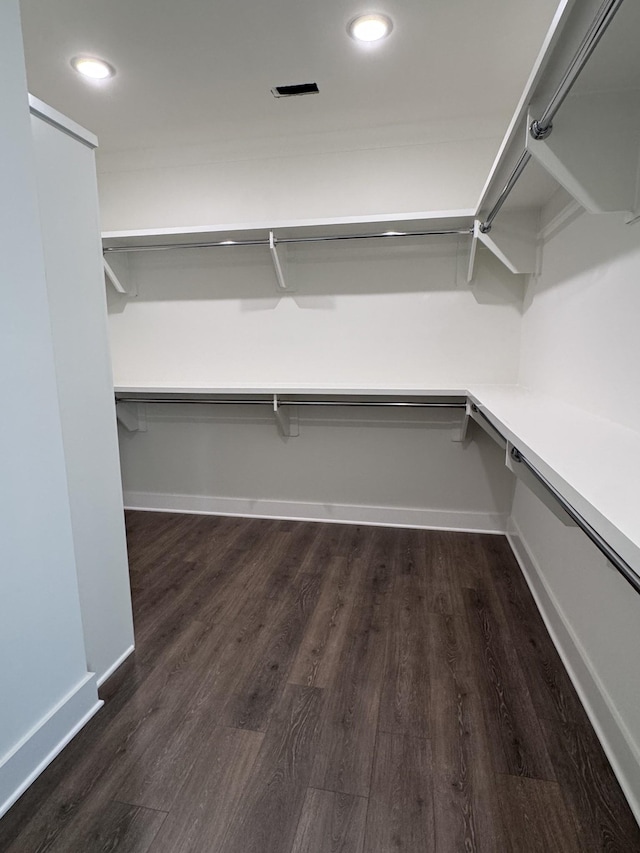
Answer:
(459, 433)
(278, 263)
(513, 463)
(118, 273)
(474, 413)
(513, 241)
(132, 416)
(287, 421)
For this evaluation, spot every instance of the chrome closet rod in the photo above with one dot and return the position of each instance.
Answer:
(618, 562)
(443, 232)
(542, 127)
(269, 402)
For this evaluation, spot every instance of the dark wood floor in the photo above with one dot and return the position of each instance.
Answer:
(308, 688)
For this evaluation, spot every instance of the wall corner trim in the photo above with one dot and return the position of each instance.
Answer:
(382, 516)
(37, 749)
(114, 666)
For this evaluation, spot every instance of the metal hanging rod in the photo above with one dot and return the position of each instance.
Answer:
(618, 562)
(211, 244)
(541, 128)
(427, 404)
(519, 168)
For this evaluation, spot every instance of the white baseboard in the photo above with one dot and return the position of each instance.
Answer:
(612, 733)
(114, 666)
(429, 519)
(39, 747)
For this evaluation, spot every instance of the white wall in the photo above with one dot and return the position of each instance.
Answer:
(44, 684)
(67, 195)
(363, 316)
(580, 342)
(398, 467)
(153, 189)
(580, 331)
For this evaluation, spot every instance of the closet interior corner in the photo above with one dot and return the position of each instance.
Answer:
(332, 535)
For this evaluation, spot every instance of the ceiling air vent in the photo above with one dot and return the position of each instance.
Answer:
(298, 89)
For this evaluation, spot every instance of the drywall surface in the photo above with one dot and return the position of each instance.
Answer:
(377, 466)
(580, 343)
(42, 656)
(362, 315)
(580, 337)
(154, 189)
(67, 196)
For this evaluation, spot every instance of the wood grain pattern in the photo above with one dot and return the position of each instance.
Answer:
(402, 682)
(549, 684)
(467, 810)
(540, 817)
(252, 702)
(590, 789)
(345, 752)
(404, 705)
(331, 823)
(315, 662)
(206, 803)
(509, 712)
(400, 814)
(111, 827)
(273, 797)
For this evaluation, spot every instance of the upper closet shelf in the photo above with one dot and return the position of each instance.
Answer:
(577, 125)
(276, 236)
(290, 230)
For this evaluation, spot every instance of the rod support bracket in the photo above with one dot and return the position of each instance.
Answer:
(287, 421)
(539, 132)
(132, 416)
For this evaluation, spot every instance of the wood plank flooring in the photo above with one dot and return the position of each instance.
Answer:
(311, 688)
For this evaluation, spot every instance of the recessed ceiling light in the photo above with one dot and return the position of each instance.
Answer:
(371, 27)
(89, 66)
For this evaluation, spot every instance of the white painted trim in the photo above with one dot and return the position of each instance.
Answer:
(37, 749)
(115, 665)
(612, 733)
(62, 122)
(379, 516)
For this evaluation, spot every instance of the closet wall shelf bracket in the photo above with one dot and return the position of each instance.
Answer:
(513, 461)
(279, 265)
(132, 416)
(513, 241)
(601, 176)
(287, 419)
(476, 413)
(117, 271)
(459, 433)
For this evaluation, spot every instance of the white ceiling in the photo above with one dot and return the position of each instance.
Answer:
(200, 71)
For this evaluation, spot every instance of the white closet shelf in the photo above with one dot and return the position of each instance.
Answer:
(124, 391)
(285, 229)
(592, 462)
(576, 126)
